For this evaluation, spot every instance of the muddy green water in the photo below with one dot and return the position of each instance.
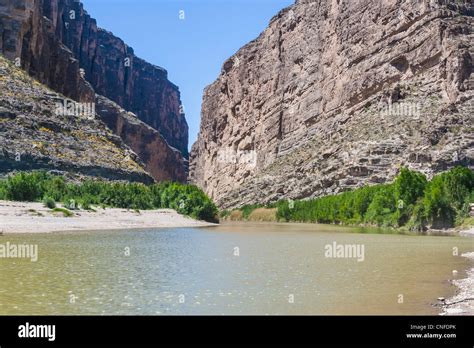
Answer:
(281, 269)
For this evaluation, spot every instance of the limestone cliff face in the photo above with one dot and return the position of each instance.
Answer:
(59, 44)
(336, 94)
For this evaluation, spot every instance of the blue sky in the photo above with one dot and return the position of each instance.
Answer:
(192, 50)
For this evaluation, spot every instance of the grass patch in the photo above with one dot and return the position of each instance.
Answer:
(248, 209)
(223, 214)
(236, 215)
(64, 211)
(263, 215)
(466, 223)
(34, 212)
(48, 202)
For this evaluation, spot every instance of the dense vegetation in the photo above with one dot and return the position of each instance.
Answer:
(41, 186)
(411, 202)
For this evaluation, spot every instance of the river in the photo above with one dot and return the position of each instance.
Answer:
(235, 268)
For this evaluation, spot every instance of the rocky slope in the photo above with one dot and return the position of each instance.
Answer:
(336, 94)
(59, 44)
(34, 136)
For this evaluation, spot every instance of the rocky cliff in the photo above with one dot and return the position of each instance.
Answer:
(34, 136)
(162, 162)
(60, 45)
(336, 94)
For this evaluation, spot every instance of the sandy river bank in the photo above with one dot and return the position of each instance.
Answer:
(22, 217)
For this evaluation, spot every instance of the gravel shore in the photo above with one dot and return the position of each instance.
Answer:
(463, 302)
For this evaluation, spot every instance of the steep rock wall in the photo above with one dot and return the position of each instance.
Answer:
(59, 44)
(336, 94)
(162, 162)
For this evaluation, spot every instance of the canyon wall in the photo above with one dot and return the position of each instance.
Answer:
(337, 94)
(60, 45)
(144, 140)
(34, 136)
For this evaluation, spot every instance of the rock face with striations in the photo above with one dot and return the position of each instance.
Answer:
(336, 94)
(59, 44)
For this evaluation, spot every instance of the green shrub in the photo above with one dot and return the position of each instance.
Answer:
(439, 210)
(3, 190)
(382, 208)
(459, 184)
(409, 186)
(25, 187)
(49, 202)
(283, 211)
(224, 213)
(418, 219)
(361, 201)
(55, 188)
